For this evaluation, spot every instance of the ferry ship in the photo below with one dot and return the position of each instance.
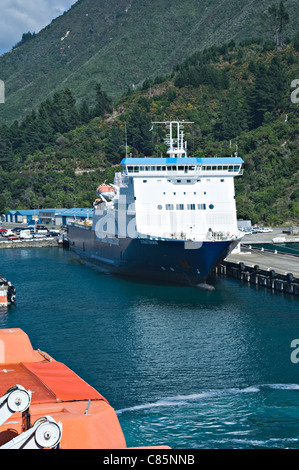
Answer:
(170, 219)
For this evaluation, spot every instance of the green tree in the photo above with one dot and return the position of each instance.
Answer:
(139, 135)
(103, 102)
(6, 152)
(276, 18)
(85, 114)
(114, 145)
(296, 42)
(70, 109)
(268, 93)
(2, 204)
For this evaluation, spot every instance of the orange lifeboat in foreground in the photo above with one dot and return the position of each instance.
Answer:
(44, 404)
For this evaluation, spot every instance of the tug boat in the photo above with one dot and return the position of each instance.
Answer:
(45, 405)
(7, 292)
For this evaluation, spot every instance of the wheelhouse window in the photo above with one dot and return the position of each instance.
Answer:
(133, 169)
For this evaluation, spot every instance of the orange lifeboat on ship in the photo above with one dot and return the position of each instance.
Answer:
(106, 190)
(44, 404)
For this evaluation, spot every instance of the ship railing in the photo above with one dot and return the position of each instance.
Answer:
(221, 235)
(182, 236)
(82, 223)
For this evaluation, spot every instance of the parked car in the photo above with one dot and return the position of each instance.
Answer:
(53, 233)
(13, 237)
(8, 233)
(25, 234)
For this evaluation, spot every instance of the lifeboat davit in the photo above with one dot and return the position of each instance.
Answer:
(106, 190)
(45, 405)
(97, 202)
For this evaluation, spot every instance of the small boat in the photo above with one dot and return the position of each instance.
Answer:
(45, 405)
(7, 292)
(106, 190)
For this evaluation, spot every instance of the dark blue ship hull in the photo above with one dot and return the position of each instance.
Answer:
(168, 261)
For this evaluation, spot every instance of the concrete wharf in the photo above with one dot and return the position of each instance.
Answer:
(31, 243)
(269, 268)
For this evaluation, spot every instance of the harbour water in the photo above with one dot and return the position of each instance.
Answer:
(290, 248)
(182, 367)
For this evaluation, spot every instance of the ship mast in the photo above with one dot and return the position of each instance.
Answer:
(177, 147)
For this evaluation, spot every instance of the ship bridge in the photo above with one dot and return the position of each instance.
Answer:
(178, 163)
(229, 166)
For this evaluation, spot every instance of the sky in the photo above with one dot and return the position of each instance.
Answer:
(20, 16)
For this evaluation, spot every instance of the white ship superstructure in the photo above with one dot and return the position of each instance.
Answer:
(181, 197)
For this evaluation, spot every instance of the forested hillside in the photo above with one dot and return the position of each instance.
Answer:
(237, 95)
(120, 43)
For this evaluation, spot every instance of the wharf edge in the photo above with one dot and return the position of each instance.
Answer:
(275, 271)
(14, 244)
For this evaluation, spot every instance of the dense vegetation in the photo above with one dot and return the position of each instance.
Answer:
(236, 95)
(25, 38)
(120, 43)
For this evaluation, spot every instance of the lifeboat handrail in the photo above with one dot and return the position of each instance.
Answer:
(45, 355)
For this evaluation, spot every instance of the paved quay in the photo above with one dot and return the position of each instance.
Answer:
(267, 261)
(265, 267)
(265, 238)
